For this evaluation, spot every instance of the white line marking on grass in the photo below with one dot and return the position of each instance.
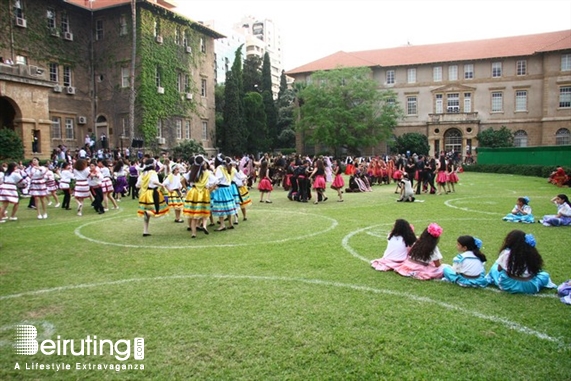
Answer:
(422, 299)
(448, 204)
(191, 244)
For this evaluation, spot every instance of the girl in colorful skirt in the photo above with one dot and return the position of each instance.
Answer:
(563, 216)
(66, 175)
(173, 186)
(401, 238)
(521, 212)
(222, 203)
(423, 261)
(52, 185)
(265, 185)
(338, 181)
(241, 193)
(442, 176)
(519, 266)
(38, 188)
(13, 179)
(197, 202)
(107, 184)
(151, 201)
(120, 175)
(81, 173)
(318, 176)
(467, 269)
(452, 177)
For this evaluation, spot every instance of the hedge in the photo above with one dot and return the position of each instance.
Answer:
(523, 170)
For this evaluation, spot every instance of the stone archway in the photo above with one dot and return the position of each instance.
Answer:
(102, 132)
(453, 140)
(8, 112)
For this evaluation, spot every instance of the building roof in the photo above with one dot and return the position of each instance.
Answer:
(449, 52)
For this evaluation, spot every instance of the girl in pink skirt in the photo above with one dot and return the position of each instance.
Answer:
(423, 261)
(265, 185)
(401, 238)
(318, 176)
(338, 182)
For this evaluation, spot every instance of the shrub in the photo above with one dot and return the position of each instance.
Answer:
(11, 146)
(514, 169)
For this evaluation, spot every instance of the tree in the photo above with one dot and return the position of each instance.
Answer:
(232, 138)
(11, 145)
(186, 149)
(269, 105)
(495, 139)
(252, 76)
(412, 142)
(255, 122)
(343, 108)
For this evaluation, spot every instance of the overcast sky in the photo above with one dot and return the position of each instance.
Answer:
(312, 29)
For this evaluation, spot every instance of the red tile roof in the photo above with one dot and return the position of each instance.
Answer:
(98, 4)
(449, 52)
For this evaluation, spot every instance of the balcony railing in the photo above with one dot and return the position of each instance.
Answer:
(457, 117)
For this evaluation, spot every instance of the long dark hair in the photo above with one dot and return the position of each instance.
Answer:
(423, 247)
(522, 255)
(470, 243)
(196, 169)
(263, 169)
(11, 168)
(402, 229)
(564, 198)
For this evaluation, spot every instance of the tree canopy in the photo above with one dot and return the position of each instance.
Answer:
(413, 142)
(496, 138)
(343, 108)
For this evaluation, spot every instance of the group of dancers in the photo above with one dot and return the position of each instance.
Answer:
(518, 268)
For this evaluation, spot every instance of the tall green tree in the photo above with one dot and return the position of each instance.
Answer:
(343, 108)
(255, 122)
(496, 138)
(413, 142)
(232, 139)
(285, 105)
(252, 75)
(269, 104)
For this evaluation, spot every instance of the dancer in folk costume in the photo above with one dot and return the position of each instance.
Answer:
(120, 175)
(442, 175)
(95, 181)
(452, 176)
(66, 176)
(241, 193)
(38, 188)
(423, 261)
(265, 185)
(467, 269)
(222, 203)
(81, 191)
(338, 182)
(400, 240)
(13, 179)
(319, 185)
(151, 200)
(173, 186)
(521, 212)
(197, 202)
(52, 185)
(328, 166)
(349, 166)
(107, 184)
(518, 269)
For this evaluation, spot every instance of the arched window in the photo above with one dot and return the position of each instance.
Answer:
(520, 138)
(562, 137)
(453, 140)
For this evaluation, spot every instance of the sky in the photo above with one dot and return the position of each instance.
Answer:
(313, 29)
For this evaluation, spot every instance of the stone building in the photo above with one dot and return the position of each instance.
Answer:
(450, 92)
(66, 66)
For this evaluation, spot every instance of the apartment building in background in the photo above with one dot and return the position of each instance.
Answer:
(65, 74)
(450, 92)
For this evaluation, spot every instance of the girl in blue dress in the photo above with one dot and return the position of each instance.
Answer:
(521, 212)
(467, 269)
(518, 270)
(563, 216)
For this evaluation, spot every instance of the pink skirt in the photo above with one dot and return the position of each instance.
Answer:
(338, 182)
(453, 177)
(419, 271)
(442, 177)
(319, 182)
(265, 185)
(385, 264)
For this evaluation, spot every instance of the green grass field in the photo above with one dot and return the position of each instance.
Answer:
(288, 294)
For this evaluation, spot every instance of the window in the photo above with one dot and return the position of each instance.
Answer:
(187, 83)
(185, 38)
(158, 76)
(99, 30)
(469, 71)
(467, 102)
(204, 130)
(69, 132)
(124, 127)
(19, 9)
(179, 82)
(521, 100)
(437, 73)
(51, 15)
(67, 76)
(177, 36)
(187, 130)
(453, 72)
(125, 77)
(159, 128)
(520, 138)
(156, 28)
(497, 102)
(179, 129)
(565, 97)
(439, 109)
(123, 25)
(21, 60)
(521, 67)
(411, 106)
(453, 140)
(453, 103)
(56, 128)
(566, 62)
(411, 75)
(562, 137)
(203, 87)
(390, 77)
(64, 23)
(202, 45)
(496, 69)
(54, 72)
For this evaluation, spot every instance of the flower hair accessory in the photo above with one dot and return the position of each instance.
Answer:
(478, 243)
(526, 199)
(434, 230)
(530, 240)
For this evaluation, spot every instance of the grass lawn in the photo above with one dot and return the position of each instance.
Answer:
(288, 294)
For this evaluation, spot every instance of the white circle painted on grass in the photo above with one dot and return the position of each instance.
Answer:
(192, 245)
(422, 299)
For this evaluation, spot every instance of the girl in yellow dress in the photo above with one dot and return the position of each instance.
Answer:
(151, 201)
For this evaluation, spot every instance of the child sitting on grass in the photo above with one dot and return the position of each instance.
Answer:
(521, 212)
